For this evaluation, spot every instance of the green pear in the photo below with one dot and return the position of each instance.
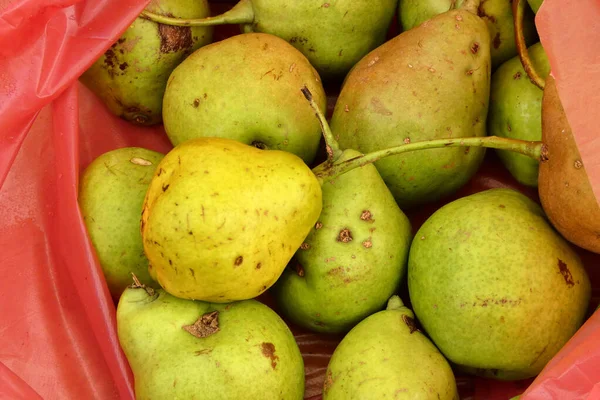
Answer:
(495, 287)
(221, 219)
(412, 13)
(333, 35)
(535, 5)
(516, 111)
(131, 76)
(497, 14)
(111, 192)
(352, 260)
(246, 88)
(430, 82)
(385, 356)
(183, 349)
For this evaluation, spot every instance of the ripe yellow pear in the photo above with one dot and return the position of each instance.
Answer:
(221, 219)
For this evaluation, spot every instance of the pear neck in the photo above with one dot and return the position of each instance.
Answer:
(394, 303)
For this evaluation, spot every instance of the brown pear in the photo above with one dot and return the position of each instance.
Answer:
(564, 188)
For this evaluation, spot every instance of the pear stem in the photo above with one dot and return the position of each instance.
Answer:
(518, 9)
(241, 13)
(535, 150)
(139, 285)
(471, 5)
(331, 145)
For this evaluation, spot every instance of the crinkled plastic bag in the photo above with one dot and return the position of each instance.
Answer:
(57, 317)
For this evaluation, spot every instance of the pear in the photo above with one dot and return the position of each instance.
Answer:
(352, 260)
(516, 111)
(430, 82)
(131, 76)
(182, 349)
(221, 219)
(564, 187)
(496, 13)
(412, 13)
(245, 88)
(494, 286)
(535, 5)
(333, 35)
(385, 356)
(111, 192)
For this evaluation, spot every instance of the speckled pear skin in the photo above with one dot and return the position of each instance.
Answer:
(253, 355)
(111, 192)
(333, 35)
(564, 187)
(222, 219)
(352, 260)
(430, 82)
(131, 76)
(516, 111)
(386, 357)
(496, 13)
(247, 88)
(495, 287)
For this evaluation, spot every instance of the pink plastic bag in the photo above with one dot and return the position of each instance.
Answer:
(58, 320)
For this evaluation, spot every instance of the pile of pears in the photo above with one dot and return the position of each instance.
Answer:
(273, 212)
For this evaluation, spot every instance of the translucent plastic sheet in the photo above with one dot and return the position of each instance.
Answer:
(57, 320)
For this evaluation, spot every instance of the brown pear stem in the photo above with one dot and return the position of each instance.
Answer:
(471, 5)
(241, 13)
(535, 150)
(331, 145)
(518, 8)
(139, 285)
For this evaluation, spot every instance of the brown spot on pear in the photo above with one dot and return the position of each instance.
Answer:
(131, 77)
(345, 236)
(268, 350)
(206, 325)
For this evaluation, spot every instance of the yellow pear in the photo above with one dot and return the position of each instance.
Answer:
(221, 219)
